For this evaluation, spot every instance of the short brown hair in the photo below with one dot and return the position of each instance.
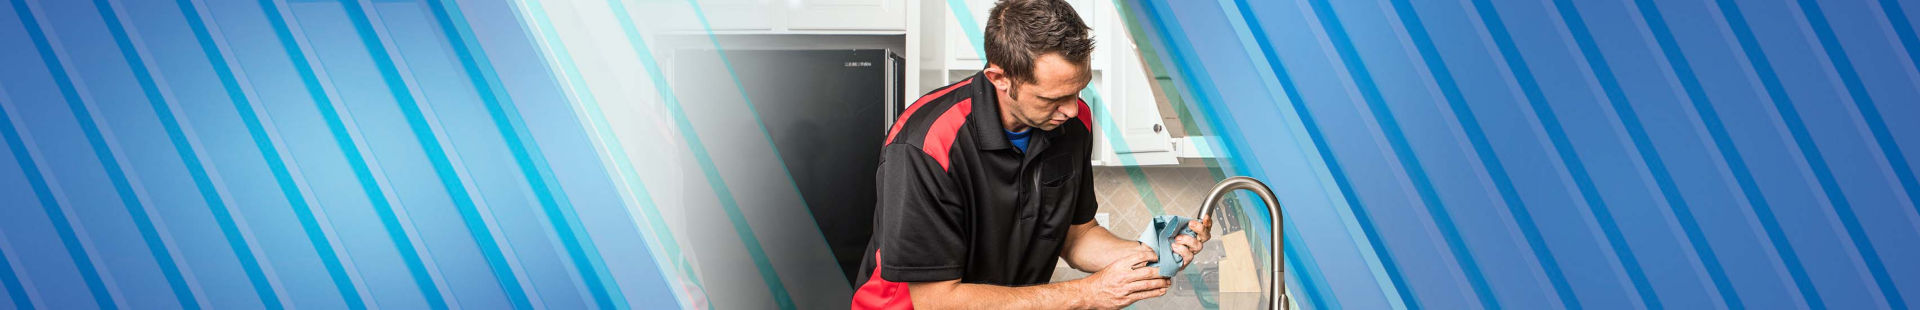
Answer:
(1020, 30)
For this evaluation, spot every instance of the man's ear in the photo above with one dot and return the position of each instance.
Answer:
(998, 77)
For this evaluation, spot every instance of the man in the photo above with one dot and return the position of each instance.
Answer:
(985, 182)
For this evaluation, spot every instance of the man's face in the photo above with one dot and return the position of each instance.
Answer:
(1046, 102)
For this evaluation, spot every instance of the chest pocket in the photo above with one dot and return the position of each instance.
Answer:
(1058, 185)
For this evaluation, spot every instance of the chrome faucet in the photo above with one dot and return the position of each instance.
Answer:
(1275, 284)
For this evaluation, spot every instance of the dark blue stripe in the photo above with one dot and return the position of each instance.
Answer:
(55, 213)
(1784, 106)
(21, 157)
(1483, 149)
(1617, 98)
(1871, 115)
(1557, 135)
(1729, 154)
(1903, 29)
(98, 143)
(1320, 144)
(188, 156)
(302, 211)
(1396, 138)
(526, 153)
(222, 216)
(442, 165)
(8, 279)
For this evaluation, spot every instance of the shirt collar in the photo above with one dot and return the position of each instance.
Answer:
(988, 131)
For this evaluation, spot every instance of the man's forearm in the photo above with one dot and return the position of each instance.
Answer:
(956, 295)
(1091, 247)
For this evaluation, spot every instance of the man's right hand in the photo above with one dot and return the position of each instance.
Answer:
(1124, 282)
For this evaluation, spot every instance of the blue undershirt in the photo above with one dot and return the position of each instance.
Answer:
(1020, 139)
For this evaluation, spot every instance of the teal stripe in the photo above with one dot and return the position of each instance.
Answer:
(526, 153)
(714, 180)
(243, 105)
(439, 155)
(665, 248)
(303, 212)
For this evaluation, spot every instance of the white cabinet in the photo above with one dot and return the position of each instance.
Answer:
(846, 14)
(793, 16)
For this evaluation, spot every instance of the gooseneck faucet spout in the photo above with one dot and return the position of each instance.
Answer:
(1275, 284)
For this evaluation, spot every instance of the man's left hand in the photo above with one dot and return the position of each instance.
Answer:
(1188, 246)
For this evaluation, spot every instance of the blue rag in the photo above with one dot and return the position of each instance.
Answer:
(1159, 236)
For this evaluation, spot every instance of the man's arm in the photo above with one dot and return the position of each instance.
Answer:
(1089, 246)
(1118, 286)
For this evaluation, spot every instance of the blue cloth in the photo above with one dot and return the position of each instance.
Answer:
(1159, 235)
(1020, 139)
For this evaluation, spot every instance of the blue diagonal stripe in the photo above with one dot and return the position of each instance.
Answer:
(526, 154)
(1557, 136)
(243, 105)
(1483, 150)
(9, 280)
(56, 214)
(412, 110)
(1642, 144)
(1410, 164)
(117, 177)
(1837, 55)
(1729, 154)
(303, 212)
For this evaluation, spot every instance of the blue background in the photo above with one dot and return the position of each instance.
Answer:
(1526, 154)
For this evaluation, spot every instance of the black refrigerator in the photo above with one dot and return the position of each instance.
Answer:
(828, 112)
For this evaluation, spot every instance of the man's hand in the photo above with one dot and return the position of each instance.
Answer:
(1124, 282)
(1188, 246)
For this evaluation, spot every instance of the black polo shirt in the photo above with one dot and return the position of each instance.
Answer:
(958, 201)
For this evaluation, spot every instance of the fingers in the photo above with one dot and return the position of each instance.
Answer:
(1187, 245)
(1202, 227)
(1134, 260)
(1148, 285)
(1137, 296)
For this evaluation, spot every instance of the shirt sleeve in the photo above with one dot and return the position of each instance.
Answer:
(921, 228)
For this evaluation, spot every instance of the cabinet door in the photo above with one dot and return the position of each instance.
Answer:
(879, 15)
(722, 15)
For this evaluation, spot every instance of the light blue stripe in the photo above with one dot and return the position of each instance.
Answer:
(527, 154)
(223, 213)
(423, 132)
(316, 234)
(712, 173)
(666, 249)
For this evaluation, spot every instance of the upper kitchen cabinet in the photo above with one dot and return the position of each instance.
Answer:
(878, 15)
(797, 17)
